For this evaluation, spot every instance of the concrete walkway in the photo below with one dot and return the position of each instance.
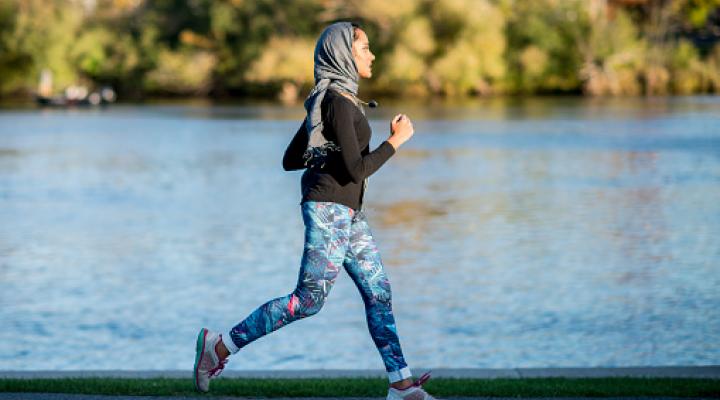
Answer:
(60, 396)
(711, 372)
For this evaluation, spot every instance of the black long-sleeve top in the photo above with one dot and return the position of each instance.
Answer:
(340, 180)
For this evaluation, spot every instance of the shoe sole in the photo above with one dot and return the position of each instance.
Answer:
(199, 351)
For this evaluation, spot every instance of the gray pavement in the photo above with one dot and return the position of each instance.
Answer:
(710, 371)
(59, 396)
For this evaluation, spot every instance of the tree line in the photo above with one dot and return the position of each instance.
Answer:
(264, 48)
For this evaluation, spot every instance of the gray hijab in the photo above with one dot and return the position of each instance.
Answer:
(334, 69)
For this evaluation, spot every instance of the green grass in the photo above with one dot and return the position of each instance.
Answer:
(343, 387)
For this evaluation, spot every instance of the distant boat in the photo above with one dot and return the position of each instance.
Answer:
(73, 96)
(78, 98)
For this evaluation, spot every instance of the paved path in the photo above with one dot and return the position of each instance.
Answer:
(57, 396)
(711, 372)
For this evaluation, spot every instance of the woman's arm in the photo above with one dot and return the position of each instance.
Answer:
(340, 115)
(293, 158)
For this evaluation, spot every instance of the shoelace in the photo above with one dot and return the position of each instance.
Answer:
(422, 379)
(216, 371)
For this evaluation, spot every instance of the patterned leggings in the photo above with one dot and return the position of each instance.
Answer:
(334, 235)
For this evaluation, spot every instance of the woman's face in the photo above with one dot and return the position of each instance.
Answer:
(362, 55)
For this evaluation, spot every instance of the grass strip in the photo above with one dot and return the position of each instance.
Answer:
(375, 387)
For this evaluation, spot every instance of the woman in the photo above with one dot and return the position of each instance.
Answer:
(333, 145)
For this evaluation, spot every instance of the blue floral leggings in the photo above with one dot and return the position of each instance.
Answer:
(335, 235)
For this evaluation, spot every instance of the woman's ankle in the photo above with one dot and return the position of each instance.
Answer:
(221, 350)
(403, 384)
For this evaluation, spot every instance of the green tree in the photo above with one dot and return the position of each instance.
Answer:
(39, 37)
(544, 43)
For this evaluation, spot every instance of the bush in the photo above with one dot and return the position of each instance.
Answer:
(181, 72)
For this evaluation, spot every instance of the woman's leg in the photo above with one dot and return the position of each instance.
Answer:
(363, 264)
(327, 229)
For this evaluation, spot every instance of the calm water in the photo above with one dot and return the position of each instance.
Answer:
(555, 232)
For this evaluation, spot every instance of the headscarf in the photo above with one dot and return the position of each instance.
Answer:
(334, 69)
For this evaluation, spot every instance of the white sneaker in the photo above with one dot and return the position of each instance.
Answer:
(207, 363)
(414, 392)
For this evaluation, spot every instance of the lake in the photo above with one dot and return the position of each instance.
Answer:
(539, 232)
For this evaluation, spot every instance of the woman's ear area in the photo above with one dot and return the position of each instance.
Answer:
(360, 39)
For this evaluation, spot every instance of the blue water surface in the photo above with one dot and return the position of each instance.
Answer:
(515, 232)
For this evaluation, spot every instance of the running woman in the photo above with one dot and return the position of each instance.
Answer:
(333, 146)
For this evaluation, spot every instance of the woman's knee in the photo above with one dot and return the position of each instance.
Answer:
(380, 293)
(314, 307)
(308, 303)
(382, 297)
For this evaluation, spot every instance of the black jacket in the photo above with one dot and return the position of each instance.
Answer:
(340, 180)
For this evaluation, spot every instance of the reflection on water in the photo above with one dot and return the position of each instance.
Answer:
(516, 233)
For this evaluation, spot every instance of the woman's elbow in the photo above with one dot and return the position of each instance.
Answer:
(288, 166)
(289, 163)
(356, 177)
(355, 171)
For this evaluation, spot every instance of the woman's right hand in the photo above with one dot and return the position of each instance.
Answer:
(401, 130)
